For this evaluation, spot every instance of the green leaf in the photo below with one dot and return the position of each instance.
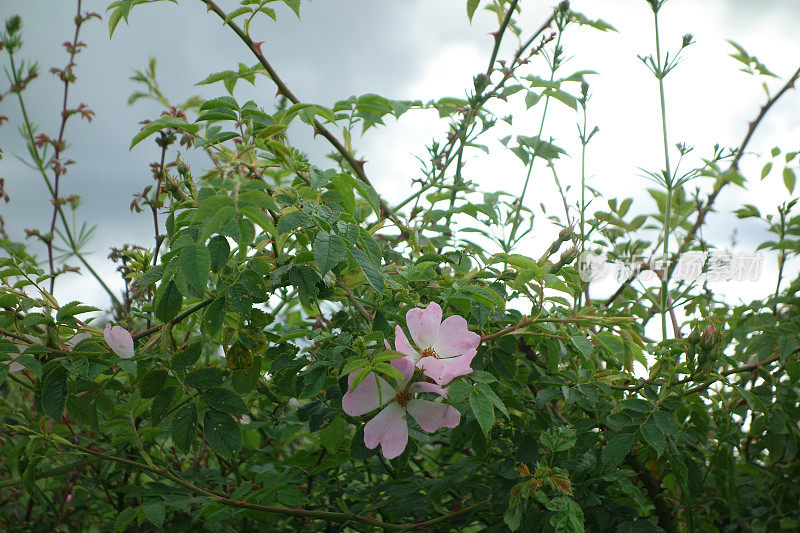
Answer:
(653, 435)
(222, 101)
(372, 272)
(163, 123)
(667, 423)
(291, 221)
(155, 512)
(568, 517)
(496, 401)
(127, 515)
(472, 5)
(206, 377)
(789, 179)
(239, 357)
(222, 433)
(583, 345)
(224, 400)
(483, 410)
(184, 424)
(196, 265)
(218, 252)
(152, 382)
(305, 279)
(54, 392)
(214, 316)
(333, 435)
(72, 309)
(161, 403)
(168, 302)
(617, 448)
(329, 250)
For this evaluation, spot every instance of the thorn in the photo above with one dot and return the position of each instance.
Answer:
(257, 46)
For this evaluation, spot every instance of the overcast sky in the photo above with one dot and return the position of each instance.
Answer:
(406, 49)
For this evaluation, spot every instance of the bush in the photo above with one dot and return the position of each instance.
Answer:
(259, 368)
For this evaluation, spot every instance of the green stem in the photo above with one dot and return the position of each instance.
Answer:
(668, 207)
(40, 165)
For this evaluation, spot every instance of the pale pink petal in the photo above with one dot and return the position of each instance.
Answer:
(389, 429)
(431, 367)
(455, 338)
(119, 340)
(424, 324)
(402, 345)
(405, 365)
(433, 415)
(365, 397)
(424, 386)
(455, 367)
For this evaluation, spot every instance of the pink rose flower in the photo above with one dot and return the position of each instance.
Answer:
(445, 349)
(119, 340)
(389, 427)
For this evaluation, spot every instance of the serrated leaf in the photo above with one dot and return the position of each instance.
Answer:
(169, 302)
(152, 383)
(224, 400)
(483, 410)
(617, 448)
(54, 392)
(329, 250)
(291, 221)
(653, 435)
(184, 424)
(155, 512)
(205, 377)
(371, 271)
(222, 433)
(195, 261)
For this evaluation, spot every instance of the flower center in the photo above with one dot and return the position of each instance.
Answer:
(403, 396)
(429, 352)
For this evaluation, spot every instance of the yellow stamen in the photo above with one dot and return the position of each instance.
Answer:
(429, 352)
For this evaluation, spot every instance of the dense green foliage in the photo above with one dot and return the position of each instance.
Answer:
(273, 277)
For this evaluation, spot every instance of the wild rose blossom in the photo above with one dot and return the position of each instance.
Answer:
(389, 427)
(444, 349)
(119, 340)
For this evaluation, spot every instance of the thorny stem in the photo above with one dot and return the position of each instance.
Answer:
(330, 516)
(59, 143)
(40, 165)
(520, 200)
(283, 89)
(705, 208)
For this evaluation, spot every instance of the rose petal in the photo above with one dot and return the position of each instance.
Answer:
(431, 367)
(402, 345)
(433, 415)
(405, 365)
(389, 429)
(119, 340)
(455, 338)
(455, 367)
(365, 397)
(424, 386)
(424, 324)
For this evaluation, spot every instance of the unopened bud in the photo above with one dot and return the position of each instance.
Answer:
(708, 338)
